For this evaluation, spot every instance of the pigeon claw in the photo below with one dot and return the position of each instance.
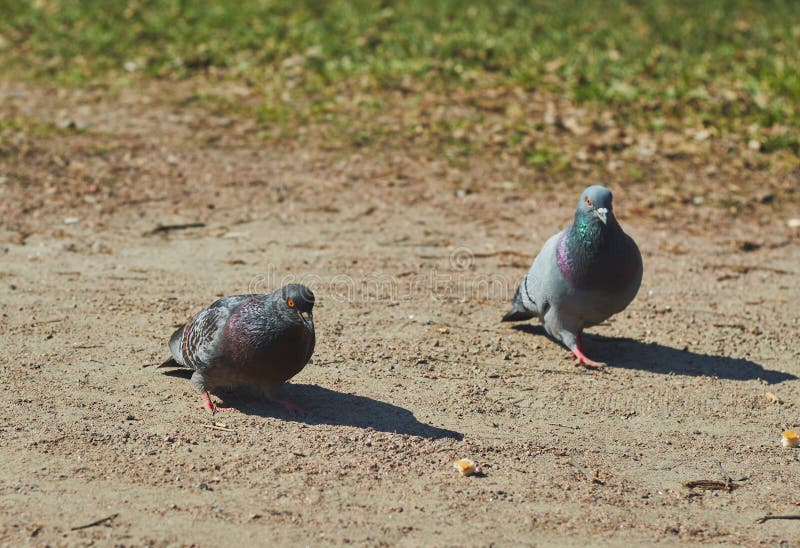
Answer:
(584, 361)
(211, 406)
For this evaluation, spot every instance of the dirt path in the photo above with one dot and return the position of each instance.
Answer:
(412, 368)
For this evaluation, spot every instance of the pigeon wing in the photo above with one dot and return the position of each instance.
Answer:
(541, 284)
(198, 343)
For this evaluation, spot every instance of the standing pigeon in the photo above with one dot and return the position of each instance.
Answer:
(262, 340)
(582, 276)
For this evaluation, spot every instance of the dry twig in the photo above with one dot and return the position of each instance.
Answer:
(215, 427)
(95, 523)
(502, 252)
(168, 228)
(711, 485)
(769, 517)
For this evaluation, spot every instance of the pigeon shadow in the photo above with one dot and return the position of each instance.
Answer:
(627, 353)
(179, 373)
(331, 407)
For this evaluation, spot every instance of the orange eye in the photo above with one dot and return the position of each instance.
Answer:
(588, 202)
(290, 302)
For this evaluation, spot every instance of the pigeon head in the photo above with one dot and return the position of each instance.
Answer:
(300, 299)
(592, 250)
(595, 202)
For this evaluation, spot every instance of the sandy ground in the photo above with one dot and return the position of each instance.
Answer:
(412, 368)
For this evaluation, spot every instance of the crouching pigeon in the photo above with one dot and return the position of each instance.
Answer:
(261, 340)
(582, 276)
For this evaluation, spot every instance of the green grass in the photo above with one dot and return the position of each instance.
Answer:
(727, 63)
(30, 126)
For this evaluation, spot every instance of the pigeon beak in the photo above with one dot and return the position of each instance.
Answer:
(308, 319)
(601, 212)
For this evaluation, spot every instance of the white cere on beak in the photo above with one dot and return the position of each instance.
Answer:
(307, 318)
(601, 212)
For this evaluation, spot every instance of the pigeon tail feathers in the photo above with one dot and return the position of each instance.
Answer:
(518, 311)
(169, 362)
(175, 347)
(517, 315)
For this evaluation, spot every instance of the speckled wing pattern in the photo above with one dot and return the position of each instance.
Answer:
(198, 343)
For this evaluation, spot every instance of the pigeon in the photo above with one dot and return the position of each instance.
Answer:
(262, 340)
(582, 276)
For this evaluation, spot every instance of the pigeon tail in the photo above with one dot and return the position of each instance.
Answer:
(518, 313)
(169, 362)
(175, 347)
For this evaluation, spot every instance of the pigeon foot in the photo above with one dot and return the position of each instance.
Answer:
(211, 406)
(586, 362)
(582, 359)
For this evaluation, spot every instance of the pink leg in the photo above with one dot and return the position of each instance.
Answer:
(211, 406)
(582, 359)
(291, 405)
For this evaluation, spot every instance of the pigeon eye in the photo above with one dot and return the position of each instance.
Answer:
(290, 302)
(588, 202)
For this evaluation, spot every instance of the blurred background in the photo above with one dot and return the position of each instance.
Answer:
(558, 89)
